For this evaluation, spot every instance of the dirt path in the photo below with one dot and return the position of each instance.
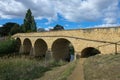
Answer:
(54, 74)
(78, 73)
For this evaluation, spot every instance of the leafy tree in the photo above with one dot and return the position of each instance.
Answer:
(58, 27)
(15, 29)
(29, 22)
(6, 28)
(0, 31)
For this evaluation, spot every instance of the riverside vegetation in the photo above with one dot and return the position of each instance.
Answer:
(21, 67)
(7, 46)
(24, 68)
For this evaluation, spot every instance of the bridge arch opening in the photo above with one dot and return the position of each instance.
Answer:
(89, 51)
(40, 48)
(18, 44)
(27, 46)
(63, 50)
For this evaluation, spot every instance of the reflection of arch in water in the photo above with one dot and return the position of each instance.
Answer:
(27, 46)
(40, 47)
(89, 51)
(61, 49)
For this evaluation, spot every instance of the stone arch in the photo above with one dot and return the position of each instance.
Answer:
(27, 46)
(18, 44)
(89, 51)
(40, 47)
(61, 49)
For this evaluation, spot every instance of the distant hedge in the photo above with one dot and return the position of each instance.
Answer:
(7, 46)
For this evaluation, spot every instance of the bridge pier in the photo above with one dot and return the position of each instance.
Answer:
(21, 50)
(32, 51)
(49, 55)
(74, 56)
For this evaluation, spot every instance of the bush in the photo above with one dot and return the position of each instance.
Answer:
(15, 29)
(7, 46)
(21, 69)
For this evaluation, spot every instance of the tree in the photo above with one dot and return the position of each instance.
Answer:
(29, 24)
(15, 29)
(6, 28)
(58, 27)
(34, 28)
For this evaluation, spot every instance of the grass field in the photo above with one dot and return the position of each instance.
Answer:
(16, 68)
(99, 67)
(102, 67)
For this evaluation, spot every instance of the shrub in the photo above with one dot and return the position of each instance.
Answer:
(21, 69)
(7, 46)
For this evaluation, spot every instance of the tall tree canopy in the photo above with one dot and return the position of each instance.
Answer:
(29, 24)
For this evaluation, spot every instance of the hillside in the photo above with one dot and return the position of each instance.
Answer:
(99, 67)
(102, 67)
(59, 73)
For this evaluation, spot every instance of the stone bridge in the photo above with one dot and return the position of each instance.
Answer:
(85, 42)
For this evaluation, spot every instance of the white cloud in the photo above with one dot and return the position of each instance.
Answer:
(78, 10)
(110, 20)
(111, 13)
(48, 28)
(72, 10)
(0, 25)
(106, 25)
(11, 9)
(88, 10)
(40, 8)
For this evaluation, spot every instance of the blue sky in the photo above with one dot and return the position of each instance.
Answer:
(72, 14)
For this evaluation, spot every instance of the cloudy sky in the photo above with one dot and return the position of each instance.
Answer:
(72, 14)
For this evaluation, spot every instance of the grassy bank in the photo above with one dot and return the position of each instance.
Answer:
(102, 67)
(67, 72)
(59, 73)
(23, 68)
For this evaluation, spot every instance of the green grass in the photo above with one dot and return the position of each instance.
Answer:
(68, 71)
(21, 69)
(54, 63)
(102, 67)
(25, 68)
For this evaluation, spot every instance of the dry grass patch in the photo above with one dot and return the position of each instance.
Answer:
(59, 73)
(102, 67)
(21, 69)
(25, 67)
